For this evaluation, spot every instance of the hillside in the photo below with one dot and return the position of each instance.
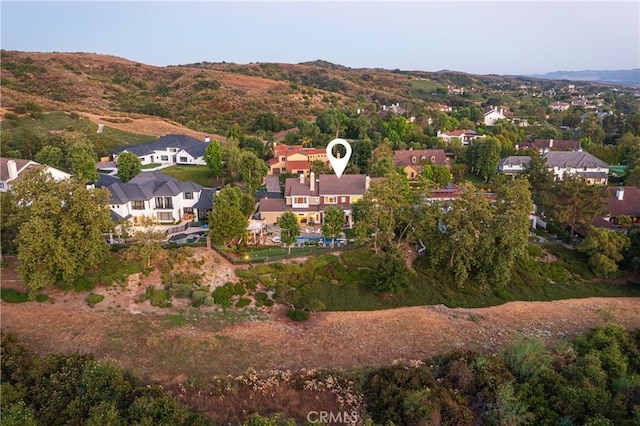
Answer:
(211, 97)
(624, 77)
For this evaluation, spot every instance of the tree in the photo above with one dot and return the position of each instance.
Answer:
(253, 144)
(333, 222)
(438, 175)
(213, 158)
(541, 180)
(227, 221)
(392, 274)
(633, 251)
(576, 203)
(252, 171)
(289, 228)
(486, 158)
(146, 243)
(604, 248)
(319, 167)
(51, 156)
(61, 229)
(128, 166)
(82, 160)
(591, 128)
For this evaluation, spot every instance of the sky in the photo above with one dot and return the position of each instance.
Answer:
(480, 37)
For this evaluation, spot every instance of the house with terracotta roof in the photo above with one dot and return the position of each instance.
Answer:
(308, 197)
(621, 201)
(12, 169)
(465, 136)
(546, 145)
(413, 161)
(295, 159)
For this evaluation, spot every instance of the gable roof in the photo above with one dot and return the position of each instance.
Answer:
(515, 160)
(21, 166)
(557, 144)
(629, 205)
(146, 185)
(193, 146)
(572, 159)
(346, 185)
(404, 157)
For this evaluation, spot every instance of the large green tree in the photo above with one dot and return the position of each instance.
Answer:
(252, 171)
(289, 228)
(333, 222)
(437, 175)
(541, 180)
(604, 248)
(61, 229)
(128, 166)
(51, 156)
(576, 203)
(82, 160)
(145, 241)
(227, 221)
(213, 158)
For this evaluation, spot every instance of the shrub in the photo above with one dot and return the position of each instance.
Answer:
(239, 290)
(159, 298)
(10, 116)
(93, 299)
(261, 296)
(526, 358)
(208, 301)
(222, 296)
(10, 295)
(535, 250)
(269, 302)
(42, 298)
(297, 315)
(243, 302)
(197, 298)
(83, 284)
(251, 285)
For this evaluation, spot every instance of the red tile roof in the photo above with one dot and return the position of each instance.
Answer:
(297, 165)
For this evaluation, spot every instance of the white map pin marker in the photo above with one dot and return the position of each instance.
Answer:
(338, 164)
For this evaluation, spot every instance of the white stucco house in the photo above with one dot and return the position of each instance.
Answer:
(514, 164)
(156, 195)
(592, 169)
(12, 168)
(493, 114)
(169, 150)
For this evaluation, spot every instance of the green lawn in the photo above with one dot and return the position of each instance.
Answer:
(198, 174)
(150, 165)
(476, 180)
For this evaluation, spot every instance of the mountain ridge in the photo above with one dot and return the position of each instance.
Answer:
(623, 77)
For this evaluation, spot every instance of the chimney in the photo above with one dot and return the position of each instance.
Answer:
(207, 139)
(367, 182)
(312, 181)
(13, 169)
(620, 193)
(550, 143)
(301, 177)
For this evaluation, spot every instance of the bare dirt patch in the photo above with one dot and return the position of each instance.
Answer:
(163, 344)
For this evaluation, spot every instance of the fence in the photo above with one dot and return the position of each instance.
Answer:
(176, 229)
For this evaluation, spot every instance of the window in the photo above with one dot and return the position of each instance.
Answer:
(343, 199)
(413, 160)
(330, 200)
(183, 159)
(164, 217)
(188, 210)
(188, 195)
(1, 185)
(300, 200)
(164, 203)
(173, 149)
(137, 205)
(433, 159)
(164, 158)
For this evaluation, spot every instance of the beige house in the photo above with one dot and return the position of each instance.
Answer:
(413, 161)
(294, 159)
(307, 197)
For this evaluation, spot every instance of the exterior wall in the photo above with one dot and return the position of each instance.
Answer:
(491, 118)
(179, 203)
(560, 171)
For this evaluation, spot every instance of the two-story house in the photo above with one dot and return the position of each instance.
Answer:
(308, 197)
(546, 145)
(169, 149)
(12, 168)
(294, 159)
(413, 161)
(514, 164)
(582, 164)
(466, 136)
(156, 195)
(493, 114)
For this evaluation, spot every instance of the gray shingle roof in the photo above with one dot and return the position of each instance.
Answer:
(146, 185)
(564, 159)
(206, 199)
(515, 159)
(191, 145)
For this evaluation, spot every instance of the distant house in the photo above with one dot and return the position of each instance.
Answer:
(582, 164)
(169, 150)
(622, 201)
(514, 164)
(12, 169)
(294, 159)
(413, 161)
(559, 106)
(493, 114)
(546, 145)
(465, 136)
(308, 197)
(157, 195)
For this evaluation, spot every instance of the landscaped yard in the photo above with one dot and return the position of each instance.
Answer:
(150, 166)
(198, 174)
